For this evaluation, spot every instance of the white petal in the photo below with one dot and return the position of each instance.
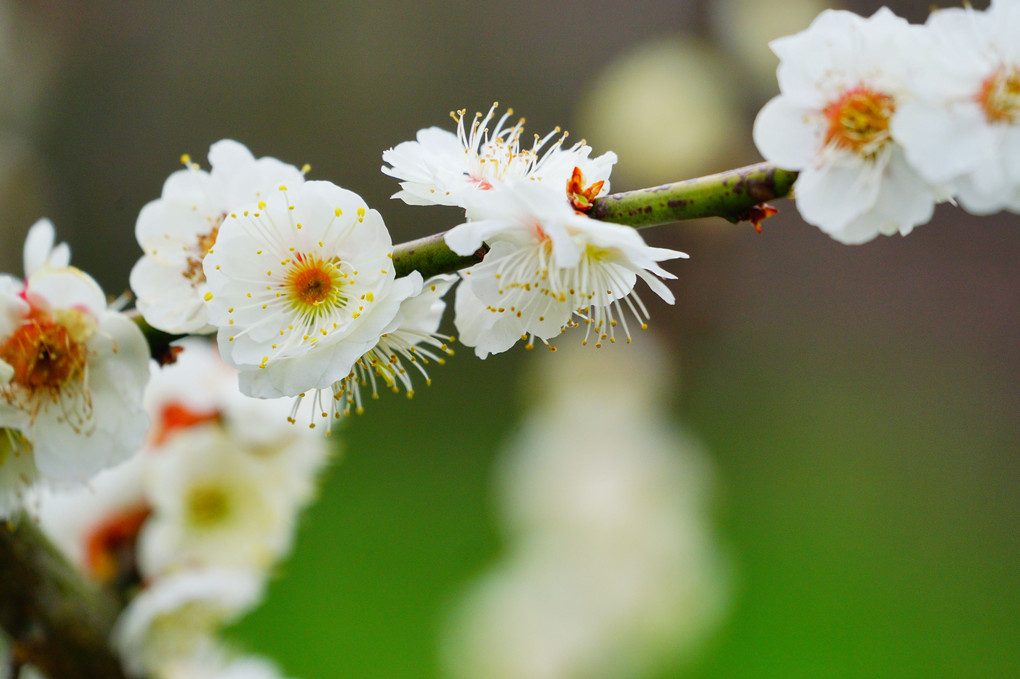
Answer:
(1010, 144)
(230, 156)
(832, 195)
(160, 622)
(12, 306)
(117, 372)
(477, 326)
(40, 250)
(787, 134)
(906, 199)
(464, 239)
(67, 288)
(168, 300)
(424, 311)
(942, 143)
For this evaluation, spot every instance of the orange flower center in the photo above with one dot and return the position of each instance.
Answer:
(313, 285)
(859, 121)
(110, 547)
(1000, 96)
(176, 416)
(48, 353)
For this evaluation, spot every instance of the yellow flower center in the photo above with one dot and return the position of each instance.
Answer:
(1000, 96)
(314, 286)
(206, 506)
(859, 121)
(194, 272)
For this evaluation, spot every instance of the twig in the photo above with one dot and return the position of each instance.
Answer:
(56, 621)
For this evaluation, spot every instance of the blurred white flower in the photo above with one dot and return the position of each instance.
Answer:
(841, 82)
(96, 526)
(213, 505)
(443, 168)
(964, 126)
(178, 229)
(199, 387)
(211, 661)
(176, 616)
(72, 370)
(301, 286)
(546, 264)
(612, 569)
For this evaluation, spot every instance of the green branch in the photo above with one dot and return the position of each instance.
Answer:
(56, 620)
(430, 255)
(729, 195)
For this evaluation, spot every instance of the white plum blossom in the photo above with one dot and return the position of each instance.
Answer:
(841, 83)
(96, 524)
(72, 373)
(963, 128)
(194, 406)
(176, 231)
(213, 505)
(549, 268)
(302, 285)
(200, 388)
(175, 616)
(547, 262)
(445, 168)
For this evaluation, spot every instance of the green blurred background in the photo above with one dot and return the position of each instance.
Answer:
(860, 403)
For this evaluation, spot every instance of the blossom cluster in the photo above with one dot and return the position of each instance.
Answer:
(549, 265)
(883, 118)
(188, 530)
(296, 277)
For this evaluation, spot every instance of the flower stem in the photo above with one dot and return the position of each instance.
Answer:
(56, 621)
(431, 256)
(729, 195)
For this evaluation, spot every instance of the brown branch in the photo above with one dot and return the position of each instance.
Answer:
(56, 620)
